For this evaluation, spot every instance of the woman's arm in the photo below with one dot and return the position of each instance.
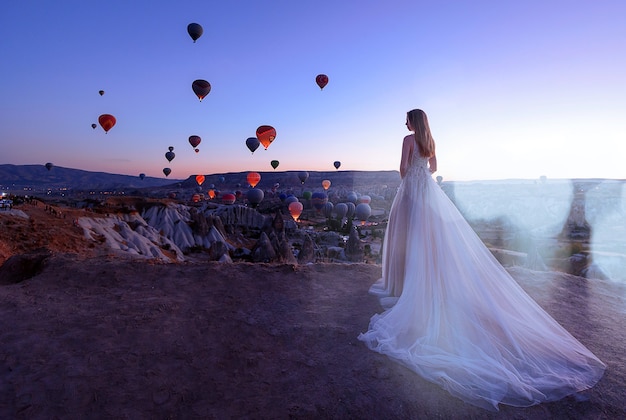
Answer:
(407, 151)
(432, 164)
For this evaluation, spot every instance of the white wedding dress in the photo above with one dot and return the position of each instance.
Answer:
(457, 318)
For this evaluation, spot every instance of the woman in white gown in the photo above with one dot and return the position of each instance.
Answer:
(455, 316)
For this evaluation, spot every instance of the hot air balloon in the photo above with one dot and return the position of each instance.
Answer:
(295, 208)
(321, 80)
(195, 31)
(363, 211)
(255, 196)
(167, 171)
(253, 178)
(290, 199)
(195, 198)
(352, 197)
(170, 155)
(351, 209)
(142, 176)
(303, 176)
(252, 143)
(222, 178)
(318, 199)
(266, 135)
(201, 88)
(336, 164)
(101, 92)
(326, 184)
(94, 125)
(211, 194)
(274, 164)
(49, 165)
(307, 195)
(440, 179)
(365, 199)
(341, 209)
(196, 150)
(327, 209)
(228, 198)
(199, 179)
(107, 121)
(194, 141)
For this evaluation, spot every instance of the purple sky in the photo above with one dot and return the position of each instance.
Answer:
(512, 89)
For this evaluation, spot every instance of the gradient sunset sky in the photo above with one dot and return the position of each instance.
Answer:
(512, 89)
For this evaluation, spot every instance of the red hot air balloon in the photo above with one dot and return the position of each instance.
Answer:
(295, 209)
(199, 179)
(194, 141)
(321, 80)
(228, 198)
(266, 135)
(195, 31)
(201, 88)
(107, 121)
(253, 178)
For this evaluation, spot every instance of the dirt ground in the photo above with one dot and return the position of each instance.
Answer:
(101, 336)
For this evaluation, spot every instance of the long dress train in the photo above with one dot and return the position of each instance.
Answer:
(457, 317)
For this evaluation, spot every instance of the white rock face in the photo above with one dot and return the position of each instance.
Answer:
(162, 227)
(142, 241)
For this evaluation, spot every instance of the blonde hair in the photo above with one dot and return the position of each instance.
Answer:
(423, 137)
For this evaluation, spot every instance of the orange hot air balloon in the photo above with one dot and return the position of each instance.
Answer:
(295, 208)
(107, 121)
(211, 194)
(321, 80)
(199, 179)
(326, 184)
(266, 135)
(253, 178)
(201, 88)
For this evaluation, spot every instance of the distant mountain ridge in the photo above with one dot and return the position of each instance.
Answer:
(37, 176)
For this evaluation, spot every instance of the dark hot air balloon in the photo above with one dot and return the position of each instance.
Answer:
(266, 135)
(274, 164)
(167, 171)
(255, 196)
(303, 176)
(94, 125)
(49, 165)
(142, 176)
(101, 92)
(107, 121)
(195, 31)
(252, 143)
(321, 80)
(194, 141)
(170, 155)
(336, 164)
(201, 88)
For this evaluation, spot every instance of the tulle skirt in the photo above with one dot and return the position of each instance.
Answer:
(457, 318)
